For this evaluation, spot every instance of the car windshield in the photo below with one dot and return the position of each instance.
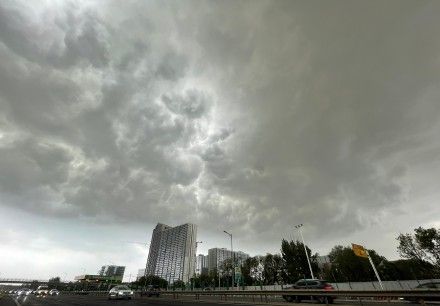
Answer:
(43, 288)
(122, 288)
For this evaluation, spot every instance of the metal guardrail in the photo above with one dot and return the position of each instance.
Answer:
(21, 280)
(322, 293)
(78, 292)
(408, 294)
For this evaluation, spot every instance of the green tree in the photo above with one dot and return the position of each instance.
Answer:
(252, 271)
(423, 246)
(201, 281)
(226, 267)
(151, 280)
(226, 271)
(346, 266)
(413, 269)
(295, 261)
(178, 284)
(54, 283)
(273, 267)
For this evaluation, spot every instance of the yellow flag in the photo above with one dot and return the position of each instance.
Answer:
(359, 250)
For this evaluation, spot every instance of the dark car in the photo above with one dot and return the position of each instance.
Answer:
(311, 284)
(434, 286)
(151, 291)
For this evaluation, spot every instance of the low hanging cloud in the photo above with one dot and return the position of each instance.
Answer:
(256, 115)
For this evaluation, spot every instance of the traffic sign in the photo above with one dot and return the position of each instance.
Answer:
(359, 250)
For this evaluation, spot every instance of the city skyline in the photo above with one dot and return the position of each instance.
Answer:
(248, 117)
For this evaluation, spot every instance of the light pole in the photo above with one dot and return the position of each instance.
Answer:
(232, 258)
(298, 227)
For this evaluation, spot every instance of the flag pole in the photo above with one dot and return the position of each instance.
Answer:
(374, 269)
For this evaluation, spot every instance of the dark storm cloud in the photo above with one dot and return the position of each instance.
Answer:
(71, 38)
(338, 101)
(257, 114)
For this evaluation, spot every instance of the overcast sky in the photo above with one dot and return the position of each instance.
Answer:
(246, 116)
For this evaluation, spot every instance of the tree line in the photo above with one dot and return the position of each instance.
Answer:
(420, 254)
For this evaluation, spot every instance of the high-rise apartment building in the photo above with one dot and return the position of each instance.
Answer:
(217, 256)
(202, 264)
(172, 253)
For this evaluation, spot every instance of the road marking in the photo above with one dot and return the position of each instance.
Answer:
(16, 302)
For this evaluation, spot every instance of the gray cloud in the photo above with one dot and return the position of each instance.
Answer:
(251, 116)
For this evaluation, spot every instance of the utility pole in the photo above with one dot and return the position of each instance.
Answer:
(298, 227)
(233, 260)
(374, 269)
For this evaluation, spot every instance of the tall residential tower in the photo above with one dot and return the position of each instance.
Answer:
(172, 253)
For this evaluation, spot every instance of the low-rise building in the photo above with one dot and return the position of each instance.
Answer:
(94, 279)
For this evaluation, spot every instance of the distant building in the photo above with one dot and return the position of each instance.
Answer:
(172, 253)
(217, 256)
(98, 279)
(112, 271)
(202, 264)
(323, 261)
(141, 273)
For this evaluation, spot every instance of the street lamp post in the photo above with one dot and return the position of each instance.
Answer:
(232, 258)
(298, 227)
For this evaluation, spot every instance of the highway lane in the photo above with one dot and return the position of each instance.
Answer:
(101, 300)
(88, 300)
(6, 301)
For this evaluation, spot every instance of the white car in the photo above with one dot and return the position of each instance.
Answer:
(54, 292)
(42, 290)
(120, 292)
(24, 291)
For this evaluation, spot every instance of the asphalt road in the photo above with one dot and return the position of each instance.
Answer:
(161, 301)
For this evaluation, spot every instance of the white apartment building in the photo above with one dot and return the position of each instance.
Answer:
(216, 256)
(202, 264)
(172, 253)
